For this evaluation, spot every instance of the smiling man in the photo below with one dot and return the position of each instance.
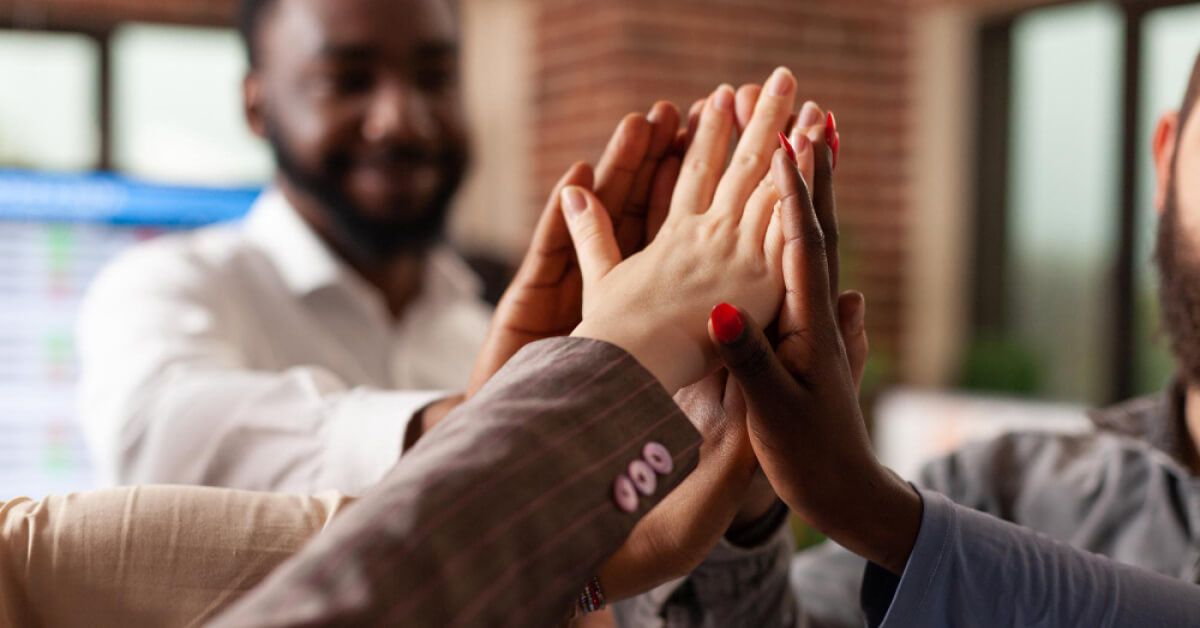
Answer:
(299, 350)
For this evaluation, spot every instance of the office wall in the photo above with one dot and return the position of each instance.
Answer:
(548, 79)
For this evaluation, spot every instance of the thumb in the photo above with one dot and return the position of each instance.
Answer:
(592, 233)
(852, 312)
(767, 386)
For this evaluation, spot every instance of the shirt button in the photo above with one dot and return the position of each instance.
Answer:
(624, 494)
(659, 458)
(643, 477)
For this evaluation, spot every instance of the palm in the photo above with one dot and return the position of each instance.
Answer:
(545, 298)
(544, 305)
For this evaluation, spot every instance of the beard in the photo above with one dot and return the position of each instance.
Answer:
(369, 239)
(1179, 289)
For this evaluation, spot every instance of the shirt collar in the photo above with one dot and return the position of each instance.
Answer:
(304, 262)
(1159, 420)
(308, 265)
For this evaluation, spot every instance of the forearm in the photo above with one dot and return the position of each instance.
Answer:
(857, 502)
(161, 556)
(966, 560)
(300, 431)
(503, 512)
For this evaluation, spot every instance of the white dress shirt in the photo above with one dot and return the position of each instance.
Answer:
(249, 356)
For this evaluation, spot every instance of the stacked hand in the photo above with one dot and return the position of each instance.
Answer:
(717, 239)
(806, 426)
(710, 233)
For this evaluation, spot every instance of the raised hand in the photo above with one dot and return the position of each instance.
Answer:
(806, 426)
(728, 490)
(676, 536)
(714, 244)
(635, 177)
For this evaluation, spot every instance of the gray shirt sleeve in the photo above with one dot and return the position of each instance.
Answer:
(969, 568)
(734, 586)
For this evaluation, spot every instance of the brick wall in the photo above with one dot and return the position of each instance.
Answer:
(589, 62)
(595, 61)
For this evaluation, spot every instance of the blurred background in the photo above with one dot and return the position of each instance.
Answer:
(994, 184)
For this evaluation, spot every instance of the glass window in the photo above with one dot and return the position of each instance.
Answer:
(182, 126)
(48, 115)
(1170, 44)
(1064, 193)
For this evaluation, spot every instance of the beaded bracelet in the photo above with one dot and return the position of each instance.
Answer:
(592, 598)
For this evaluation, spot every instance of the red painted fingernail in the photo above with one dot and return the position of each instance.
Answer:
(831, 136)
(727, 323)
(787, 146)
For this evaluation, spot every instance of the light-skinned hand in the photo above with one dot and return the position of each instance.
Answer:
(717, 243)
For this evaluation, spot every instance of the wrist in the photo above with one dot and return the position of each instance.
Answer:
(760, 503)
(428, 418)
(754, 532)
(667, 354)
(881, 523)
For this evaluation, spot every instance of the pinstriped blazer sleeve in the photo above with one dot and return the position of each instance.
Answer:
(501, 514)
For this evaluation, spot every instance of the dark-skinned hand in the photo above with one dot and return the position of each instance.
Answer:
(806, 426)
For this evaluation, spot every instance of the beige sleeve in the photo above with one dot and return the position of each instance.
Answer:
(149, 556)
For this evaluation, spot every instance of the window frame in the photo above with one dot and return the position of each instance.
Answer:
(99, 29)
(990, 282)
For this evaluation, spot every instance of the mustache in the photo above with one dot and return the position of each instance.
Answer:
(396, 155)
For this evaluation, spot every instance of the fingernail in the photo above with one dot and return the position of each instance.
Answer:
(781, 82)
(810, 114)
(727, 323)
(831, 136)
(787, 146)
(573, 201)
(722, 99)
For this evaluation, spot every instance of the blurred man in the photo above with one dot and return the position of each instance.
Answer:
(296, 351)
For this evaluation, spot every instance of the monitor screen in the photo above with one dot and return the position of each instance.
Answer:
(56, 233)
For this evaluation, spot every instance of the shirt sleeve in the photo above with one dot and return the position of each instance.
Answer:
(168, 396)
(742, 584)
(499, 515)
(969, 568)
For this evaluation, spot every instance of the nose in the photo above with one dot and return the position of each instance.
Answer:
(399, 111)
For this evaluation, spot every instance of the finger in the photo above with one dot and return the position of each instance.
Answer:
(811, 121)
(807, 305)
(747, 98)
(620, 162)
(852, 312)
(751, 361)
(631, 228)
(705, 159)
(759, 210)
(773, 243)
(825, 205)
(550, 248)
(810, 124)
(693, 123)
(752, 158)
(660, 196)
(592, 233)
(804, 155)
